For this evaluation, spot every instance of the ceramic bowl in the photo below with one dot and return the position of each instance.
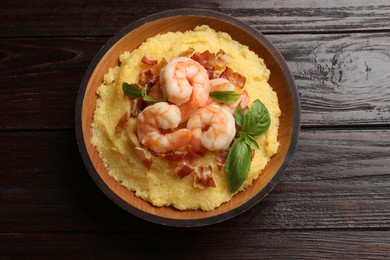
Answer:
(130, 38)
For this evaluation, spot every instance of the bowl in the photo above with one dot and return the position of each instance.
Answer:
(130, 38)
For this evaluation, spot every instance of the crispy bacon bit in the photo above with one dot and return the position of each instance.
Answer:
(151, 75)
(203, 178)
(178, 155)
(206, 59)
(148, 61)
(183, 168)
(222, 58)
(174, 155)
(210, 73)
(146, 76)
(187, 52)
(244, 99)
(138, 105)
(122, 122)
(221, 160)
(234, 77)
(145, 156)
(157, 68)
(156, 92)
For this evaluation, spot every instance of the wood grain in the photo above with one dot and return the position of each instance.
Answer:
(333, 202)
(342, 78)
(195, 244)
(40, 79)
(337, 180)
(92, 18)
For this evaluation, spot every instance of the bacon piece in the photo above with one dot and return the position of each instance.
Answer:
(146, 76)
(151, 75)
(158, 67)
(206, 59)
(122, 122)
(187, 52)
(183, 168)
(145, 156)
(234, 77)
(148, 61)
(222, 58)
(244, 99)
(139, 104)
(203, 178)
(174, 155)
(221, 160)
(178, 155)
(210, 73)
(156, 92)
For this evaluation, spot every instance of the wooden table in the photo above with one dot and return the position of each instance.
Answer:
(333, 201)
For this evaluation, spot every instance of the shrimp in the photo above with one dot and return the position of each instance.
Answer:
(153, 128)
(221, 84)
(185, 81)
(212, 128)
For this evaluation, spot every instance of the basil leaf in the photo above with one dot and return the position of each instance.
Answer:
(257, 120)
(238, 163)
(131, 91)
(249, 140)
(239, 115)
(226, 97)
(150, 99)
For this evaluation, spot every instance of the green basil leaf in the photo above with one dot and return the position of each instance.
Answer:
(226, 97)
(238, 163)
(131, 91)
(249, 140)
(239, 115)
(257, 120)
(150, 99)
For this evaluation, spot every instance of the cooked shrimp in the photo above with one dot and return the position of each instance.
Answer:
(221, 84)
(184, 80)
(212, 128)
(156, 119)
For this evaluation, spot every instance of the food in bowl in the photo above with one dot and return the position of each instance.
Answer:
(187, 119)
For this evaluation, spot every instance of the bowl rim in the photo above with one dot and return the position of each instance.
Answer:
(198, 221)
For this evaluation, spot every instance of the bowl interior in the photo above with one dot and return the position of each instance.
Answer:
(278, 80)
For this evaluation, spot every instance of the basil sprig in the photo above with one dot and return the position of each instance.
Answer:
(254, 124)
(226, 97)
(134, 92)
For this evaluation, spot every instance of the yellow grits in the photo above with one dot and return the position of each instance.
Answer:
(160, 185)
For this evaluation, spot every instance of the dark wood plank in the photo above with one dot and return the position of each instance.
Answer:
(196, 244)
(337, 179)
(343, 79)
(40, 79)
(69, 18)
